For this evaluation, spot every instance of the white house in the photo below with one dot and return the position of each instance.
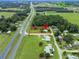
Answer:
(47, 38)
(60, 38)
(47, 49)
(65, 31)
(72, 57)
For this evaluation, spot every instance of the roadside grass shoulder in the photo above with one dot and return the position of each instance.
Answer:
(4, 40)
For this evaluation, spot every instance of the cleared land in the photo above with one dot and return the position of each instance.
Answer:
(71, 17)
(18, 9)
(7, 14)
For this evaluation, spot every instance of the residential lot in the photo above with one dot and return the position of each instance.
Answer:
(29, 48)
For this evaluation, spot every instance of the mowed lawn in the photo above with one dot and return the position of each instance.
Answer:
(30, 49)
(6, 14)
(71, 17)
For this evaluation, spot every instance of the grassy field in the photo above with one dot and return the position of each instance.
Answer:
(71, 17)
(45, 4)
(6, 14)
(4, 40)
(30, 49)
(18, 9)
(35, 31)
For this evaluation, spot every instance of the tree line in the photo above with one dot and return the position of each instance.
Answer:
(56, 20)
(9, 24)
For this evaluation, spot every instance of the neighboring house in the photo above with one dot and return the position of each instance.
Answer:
(60, 38)
(49, 49)
(72, 57)
(65, 32)
(46, 38)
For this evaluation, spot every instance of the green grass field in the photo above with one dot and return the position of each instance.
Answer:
(30, 49)
(71, 17)
(44, 4)
(6, 14)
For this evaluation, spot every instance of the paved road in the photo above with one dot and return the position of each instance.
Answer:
(3, 55)
(6, 50)
(13, 52)
(40, 34)
(75, 34)
(72, 51)
(59, 50)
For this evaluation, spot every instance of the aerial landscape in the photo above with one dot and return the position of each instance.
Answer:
(39, 29)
